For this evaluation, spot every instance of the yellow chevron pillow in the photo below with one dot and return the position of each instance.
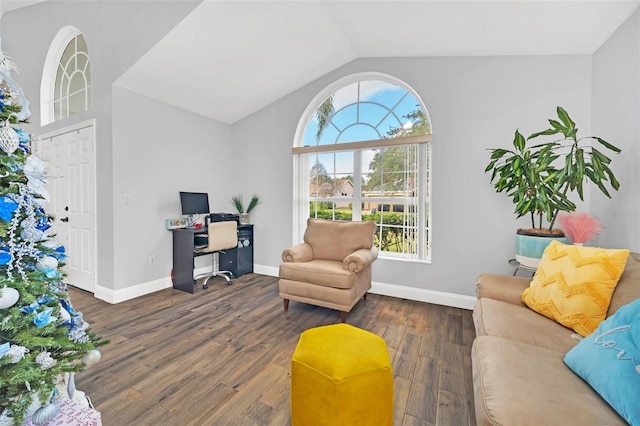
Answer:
(573, 285)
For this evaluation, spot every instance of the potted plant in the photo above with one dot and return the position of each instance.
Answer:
(540, 177)
(236, 200)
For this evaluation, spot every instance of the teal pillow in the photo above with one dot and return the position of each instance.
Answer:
(609, 360)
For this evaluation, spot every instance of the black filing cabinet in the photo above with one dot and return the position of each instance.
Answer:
(240, 259)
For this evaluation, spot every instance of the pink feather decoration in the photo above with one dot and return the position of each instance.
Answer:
(579, 227)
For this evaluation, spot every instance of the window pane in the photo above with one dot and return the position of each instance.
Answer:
(76, 83)
(359, 132)
(76, 103)
(72, 81)
(81, 44)
(67, 54)
(387, 178)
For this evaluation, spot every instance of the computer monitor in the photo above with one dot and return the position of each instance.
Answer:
(194, 203)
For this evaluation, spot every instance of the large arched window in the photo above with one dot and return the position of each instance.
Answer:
(362, 152)
(66, 79)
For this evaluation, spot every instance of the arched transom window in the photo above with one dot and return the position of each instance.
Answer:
(363, 153)
(66, 85)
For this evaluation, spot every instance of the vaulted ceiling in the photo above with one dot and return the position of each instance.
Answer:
(228, 59)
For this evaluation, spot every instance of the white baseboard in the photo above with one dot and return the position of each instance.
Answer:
(424, 295)
(402, 292)
(117, 296)
(266, 270)
(393, 290)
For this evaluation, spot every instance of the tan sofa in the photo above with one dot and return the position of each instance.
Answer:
(519, 376)
(332, 268)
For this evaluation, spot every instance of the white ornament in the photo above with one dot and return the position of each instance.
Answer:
(8, 297)
(65, 317)
(46, 263)
(16, 353)
(91, 357)
(44, 414)
(45, 361)
(9, 140)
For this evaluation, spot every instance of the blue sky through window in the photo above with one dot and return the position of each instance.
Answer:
(364, 110)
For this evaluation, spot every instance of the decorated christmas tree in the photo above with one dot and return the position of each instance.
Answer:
(43, 340)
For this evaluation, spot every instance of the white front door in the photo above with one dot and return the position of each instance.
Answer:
(71, 184)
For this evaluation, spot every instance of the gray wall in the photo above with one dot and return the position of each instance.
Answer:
(117, 34)
(616, 118)
(158, 151)
(475, 103)
(150, 150)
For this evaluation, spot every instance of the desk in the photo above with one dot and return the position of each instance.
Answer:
(238, 260)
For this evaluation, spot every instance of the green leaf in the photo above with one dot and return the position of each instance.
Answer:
(603, 189)
(519, 141)
(608, 145)
(544, 132)
(564, 117)
(614, 182)
(498, 153)
(490, 166)
(557, 125)
(603, 158)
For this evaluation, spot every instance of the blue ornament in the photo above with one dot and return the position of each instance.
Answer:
(4, 348)
(43, 318)
(7, 207)
(23, 138)
(5, 257)
(43, 223)
(31, 308)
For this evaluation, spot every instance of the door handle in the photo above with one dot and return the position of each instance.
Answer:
(64, 219)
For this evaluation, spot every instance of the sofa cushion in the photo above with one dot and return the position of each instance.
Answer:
(517, 383)
(573, 285)
(335, 240)
(609, 360)
(628, 288)
(328, 273)
(519, 323)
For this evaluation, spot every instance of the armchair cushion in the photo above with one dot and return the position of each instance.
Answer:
(359, 260)
(335, 240)
(328, 273)
(298, 253)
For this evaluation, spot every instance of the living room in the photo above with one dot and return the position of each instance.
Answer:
(148, 149)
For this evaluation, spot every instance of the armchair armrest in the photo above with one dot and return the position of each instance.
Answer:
(298, 253)
(505, 288)
(360, 259)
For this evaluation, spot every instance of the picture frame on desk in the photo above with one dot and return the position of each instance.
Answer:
(180, 222)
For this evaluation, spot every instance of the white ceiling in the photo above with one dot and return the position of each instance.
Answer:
(228, 59)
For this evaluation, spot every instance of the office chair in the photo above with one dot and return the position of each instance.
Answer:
(221, 236)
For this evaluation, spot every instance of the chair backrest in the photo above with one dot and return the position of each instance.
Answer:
(335, 239)
(222, 235)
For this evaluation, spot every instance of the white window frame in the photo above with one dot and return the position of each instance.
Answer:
(301, 156)
(50, 71)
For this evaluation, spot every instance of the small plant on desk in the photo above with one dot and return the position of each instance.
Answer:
(237, 202)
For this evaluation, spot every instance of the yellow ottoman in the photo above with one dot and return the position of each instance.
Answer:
(341, 375)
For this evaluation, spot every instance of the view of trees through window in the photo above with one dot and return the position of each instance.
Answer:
(367, 166)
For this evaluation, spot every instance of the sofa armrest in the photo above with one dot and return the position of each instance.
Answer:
(360, 259)
(298, 253)
(505, 288)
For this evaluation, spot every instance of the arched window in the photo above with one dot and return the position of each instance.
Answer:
(362, 152)
(66, 79)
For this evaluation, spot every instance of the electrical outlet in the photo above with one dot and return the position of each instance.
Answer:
(152, 260)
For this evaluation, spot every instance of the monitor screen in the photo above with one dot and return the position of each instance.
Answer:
(194, 203)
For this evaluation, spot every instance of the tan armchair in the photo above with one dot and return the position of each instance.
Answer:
(332, 268)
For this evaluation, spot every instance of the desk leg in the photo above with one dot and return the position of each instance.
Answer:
(183, 261)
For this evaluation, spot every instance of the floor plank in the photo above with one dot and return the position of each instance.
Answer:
(222, 356)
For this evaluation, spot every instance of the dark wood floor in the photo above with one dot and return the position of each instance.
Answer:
(221, 356)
